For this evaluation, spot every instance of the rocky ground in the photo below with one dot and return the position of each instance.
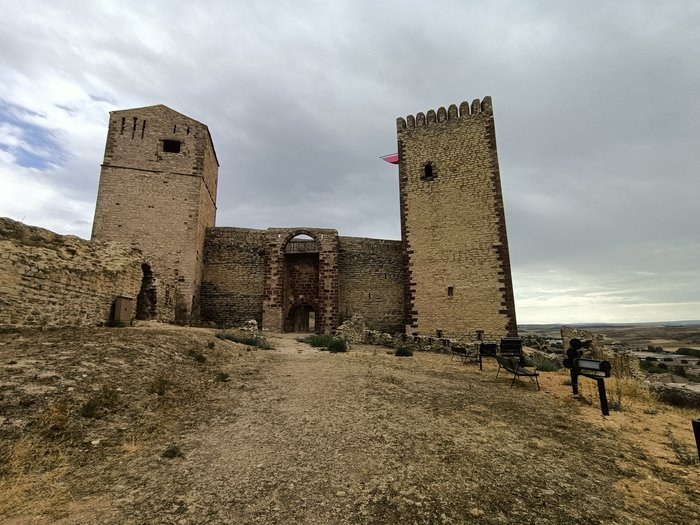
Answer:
(166, 425)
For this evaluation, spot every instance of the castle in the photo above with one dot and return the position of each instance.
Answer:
(449, 274)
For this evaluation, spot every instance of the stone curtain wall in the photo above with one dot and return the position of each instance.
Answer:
(160, 201)
(48, 279)
(372, 282)
(453, 223)
(233, 278)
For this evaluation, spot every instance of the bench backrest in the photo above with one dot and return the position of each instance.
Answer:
(511, 346)
(489, 349)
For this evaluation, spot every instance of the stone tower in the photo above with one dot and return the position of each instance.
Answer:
(458, 278)
(157, 191)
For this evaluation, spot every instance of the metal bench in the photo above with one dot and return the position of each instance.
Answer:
(463, 352)
(513, 366)
(487, 350)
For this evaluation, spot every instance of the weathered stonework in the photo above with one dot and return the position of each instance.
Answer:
(48, 279)
(450, 273)
(158, 199)
(458, 278)
(233, 281)
(372, 282)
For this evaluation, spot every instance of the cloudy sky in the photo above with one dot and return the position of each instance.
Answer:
(597, 108)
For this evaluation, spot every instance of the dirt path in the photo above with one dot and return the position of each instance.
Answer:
(302, 436)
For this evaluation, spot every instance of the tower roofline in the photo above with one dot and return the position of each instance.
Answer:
(164, 107)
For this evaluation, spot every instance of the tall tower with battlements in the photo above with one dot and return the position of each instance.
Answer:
(458, 279)
(157, 191)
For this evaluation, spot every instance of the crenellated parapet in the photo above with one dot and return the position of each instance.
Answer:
(432, 117)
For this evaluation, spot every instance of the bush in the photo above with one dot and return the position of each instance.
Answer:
(651, 368)
(100, 402)
(318, 341)
(679, 370)
(662, 366)
(250, 340)
(403, 351)
(196, 355)
(542, 363)
(337, 345)
(694, 352)
(159, 386)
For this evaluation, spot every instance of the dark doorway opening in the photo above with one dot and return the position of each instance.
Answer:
(147, 300)
(302, 319)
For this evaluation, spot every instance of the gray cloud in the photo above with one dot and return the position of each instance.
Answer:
(596, 116)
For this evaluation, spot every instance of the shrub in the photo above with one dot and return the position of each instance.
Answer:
(159, 386)
(100, 402)
(337, 345)
(196, 355)
(542, 363)
(172, 451)
(249, 340)
(223, 377)
(403, 351)
(679, 370)
(318, 341)
(694, 352)
(662, 366)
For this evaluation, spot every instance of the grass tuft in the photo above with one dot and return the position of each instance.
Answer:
(403, 351)
(328, 342)
(250, 340)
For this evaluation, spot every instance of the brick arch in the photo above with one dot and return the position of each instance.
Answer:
(289, 315)
(294, 233)
(276, 304)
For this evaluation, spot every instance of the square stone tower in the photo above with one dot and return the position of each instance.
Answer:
(157, 191)
(458, 279)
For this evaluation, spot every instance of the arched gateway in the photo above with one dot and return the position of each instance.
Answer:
(301, 285)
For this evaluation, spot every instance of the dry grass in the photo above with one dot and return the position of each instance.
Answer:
(31, 468)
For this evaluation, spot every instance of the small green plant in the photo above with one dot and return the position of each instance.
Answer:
(172, 451)
(159, 386)
(403, 351)
(102, 401)
(223, 377)
(326, 342)
(250, 340)
(196, 355)
(616, 401)
(684, 453)
(319, 341)
(542, 363)
(337, 346)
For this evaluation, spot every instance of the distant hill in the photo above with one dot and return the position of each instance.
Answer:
(552, 326)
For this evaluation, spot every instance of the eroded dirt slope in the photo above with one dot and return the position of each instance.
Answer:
(294, 435)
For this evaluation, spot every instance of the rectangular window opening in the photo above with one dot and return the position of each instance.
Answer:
(171, 146)
(450, 291)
